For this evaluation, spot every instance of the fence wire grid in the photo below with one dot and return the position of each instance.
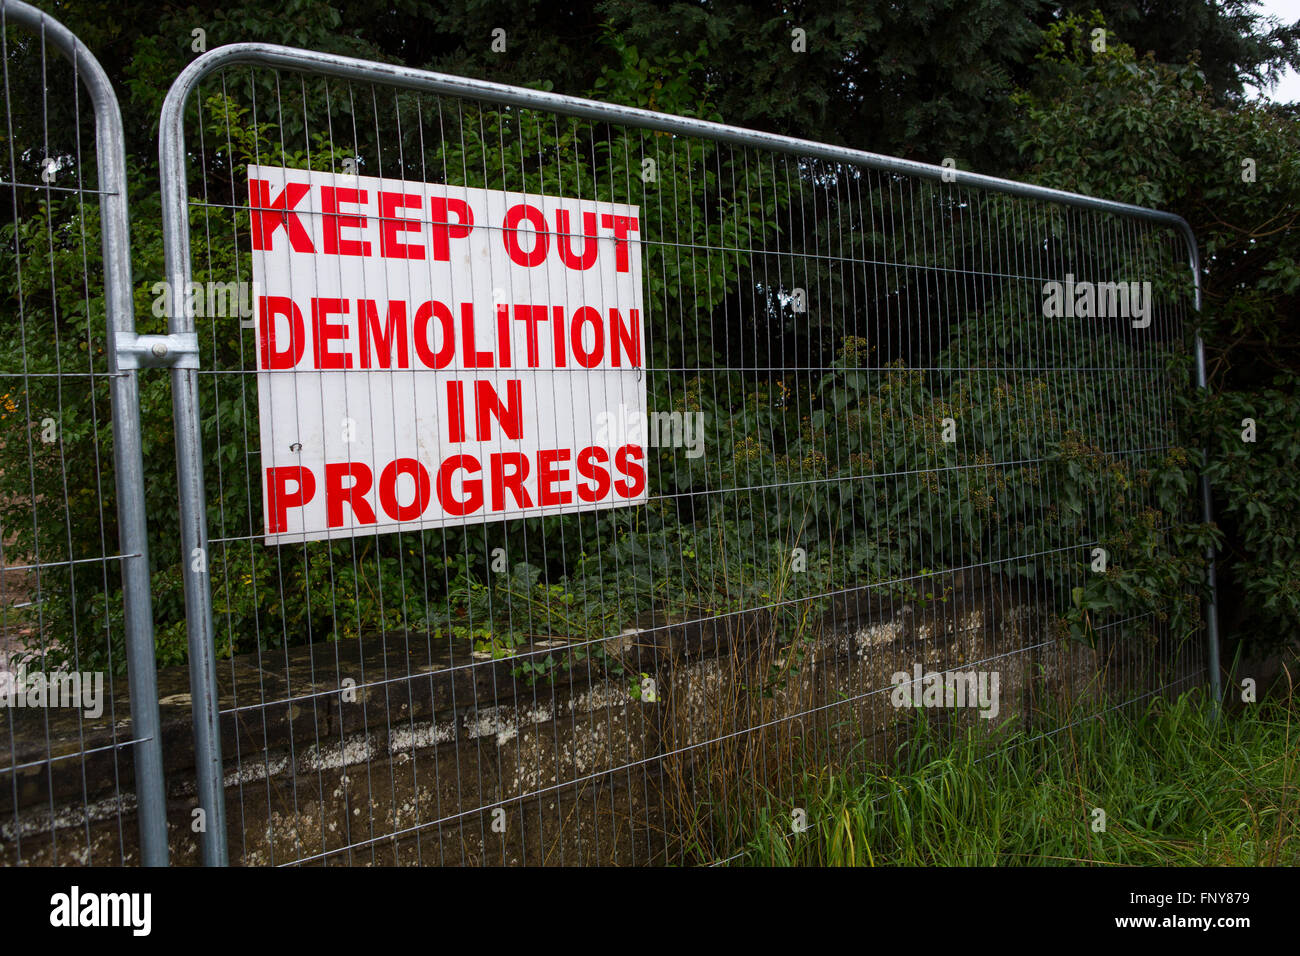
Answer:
(77, 690)
(875, 454)
(910, 461)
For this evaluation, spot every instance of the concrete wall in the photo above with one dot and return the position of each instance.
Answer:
(437, 749)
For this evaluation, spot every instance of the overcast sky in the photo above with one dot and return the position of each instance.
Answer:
(1288, 88)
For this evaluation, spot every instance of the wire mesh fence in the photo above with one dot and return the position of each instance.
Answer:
(886, 446)
(559, 483)
(74, 599)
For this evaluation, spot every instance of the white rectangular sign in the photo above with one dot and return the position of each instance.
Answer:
(434, 355)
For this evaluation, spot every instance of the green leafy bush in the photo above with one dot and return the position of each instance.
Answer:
(823, 425)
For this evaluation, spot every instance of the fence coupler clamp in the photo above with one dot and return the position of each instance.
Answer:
(178, 350)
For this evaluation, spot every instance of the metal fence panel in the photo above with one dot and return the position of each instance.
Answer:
(75, 612)
(888, 445)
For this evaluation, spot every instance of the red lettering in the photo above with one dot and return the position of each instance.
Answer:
(531, 316)
(443, 229)
(456, 410)
(268, 216)
(473, 358)
(388, 489)
(513, 481)
(269, 308)
(442, 358)
(473, 487)
(323, 332)
(279, 499)
(503, 336)
(333, 223)
(392, 334)
(391, 225)
(632, 488)
(591, 465)
(353, 495)
(548, 475)
(564, 241)
(557, 327)
(510, 235)
(487, 405)
(621, 225)
(625, 337)
(588, 315)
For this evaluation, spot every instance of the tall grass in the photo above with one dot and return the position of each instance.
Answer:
(1177, 788)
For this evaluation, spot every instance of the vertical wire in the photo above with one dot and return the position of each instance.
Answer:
(398, 539)
(520, 806)
(37, 561)
(878, 203)
(952, 579)
(426, 619)
(932, 391)
(856, 592)
(1072, 385)
(1029, 268)
(808, 485)
(659, 617)
(67, 511)
(1028, 588)
(650, 330)
(279, 566)
(1106, 230)
(662, 622)
(205, 203)
(327, 548)
(226, 562)
(305, 552)
(502, 115)
(1023, 273)
(446, 559)
(765, 457)
(559, 189)
(5, 624)
(721, 620)
(624, 190)
(841, 276)
(573, 717)
(408, 681)
(1003, 305)
(91, 375)
(373, 842)
(249, 482)
(1093, 387)
(478, 746)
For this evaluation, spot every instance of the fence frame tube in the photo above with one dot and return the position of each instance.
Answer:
(110, 152)
(175, 200)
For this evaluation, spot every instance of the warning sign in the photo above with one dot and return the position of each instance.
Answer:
(434, 355)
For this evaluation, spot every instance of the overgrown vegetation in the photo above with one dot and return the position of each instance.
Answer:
(1156, 133)
(1177, 788)
(823, 423)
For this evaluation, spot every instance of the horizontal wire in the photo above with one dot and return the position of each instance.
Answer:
(73, 755)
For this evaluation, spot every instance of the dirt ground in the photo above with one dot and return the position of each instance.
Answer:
(17, 634)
